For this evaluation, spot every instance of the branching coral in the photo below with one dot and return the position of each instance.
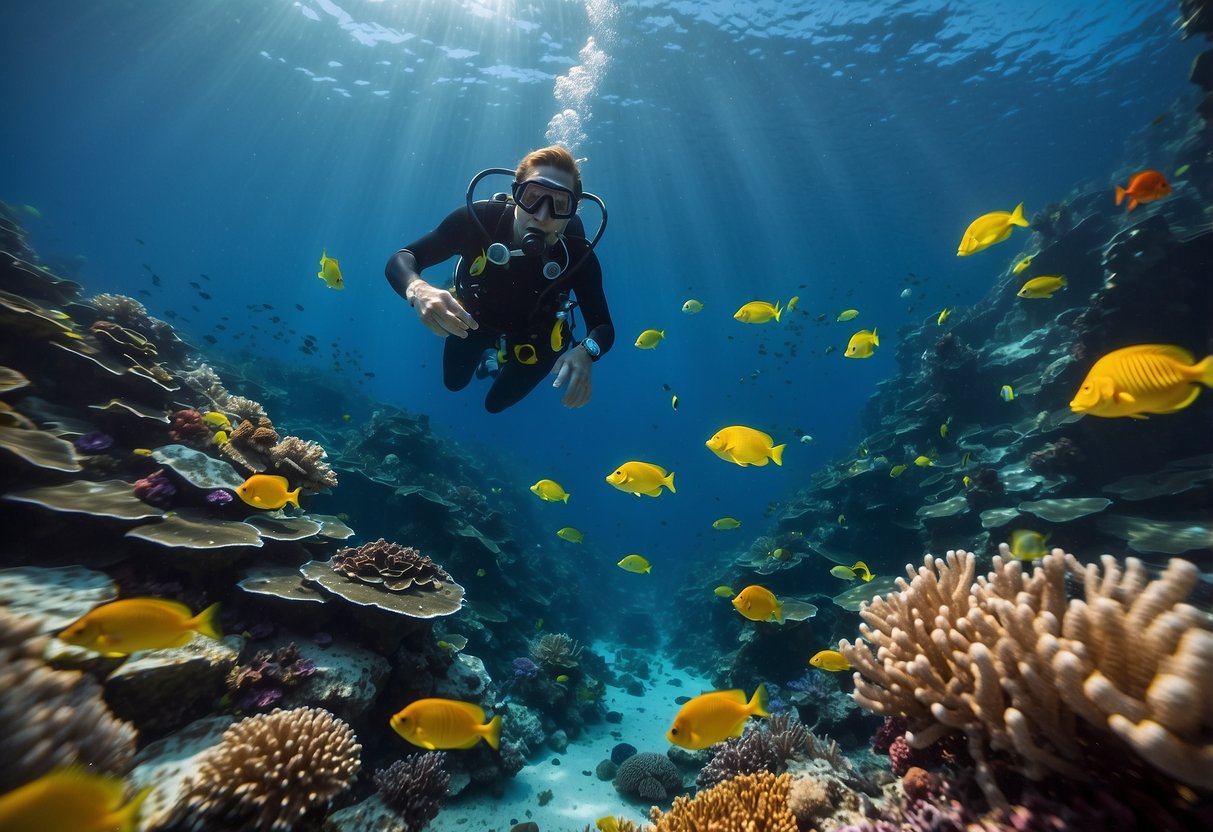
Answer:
(122, 309)
(277, 771)
(259, 448)
(415, 788)
(749, 803)
(555, 650)
(265, 678)
(748, 754)
(1007, 660)
(206, 381)
(52, 718)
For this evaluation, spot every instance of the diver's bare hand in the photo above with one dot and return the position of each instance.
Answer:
(572, 371)
(438, 309)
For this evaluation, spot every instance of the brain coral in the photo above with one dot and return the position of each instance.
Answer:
(649, 776)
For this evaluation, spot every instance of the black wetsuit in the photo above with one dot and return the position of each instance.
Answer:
(515, 300)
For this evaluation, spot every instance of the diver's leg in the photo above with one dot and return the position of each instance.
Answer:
(461, 356)
(516, 380)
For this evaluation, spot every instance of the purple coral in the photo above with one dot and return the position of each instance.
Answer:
(524, 668)
(264, 679)
(415, 788)
(93, 443)
(219, 497)
(156, 489)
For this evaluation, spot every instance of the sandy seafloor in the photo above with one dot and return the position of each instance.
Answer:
(579, 797)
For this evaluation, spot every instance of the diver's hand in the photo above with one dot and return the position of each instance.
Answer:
(438, 309)
(572, 371)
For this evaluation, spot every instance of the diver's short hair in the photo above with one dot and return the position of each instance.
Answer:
(553, 156)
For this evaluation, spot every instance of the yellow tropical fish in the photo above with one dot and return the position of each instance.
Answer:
(71, 800)
(570, 534)
(267, 491)
(923, 461)
(1022, 265)
(330, 272)
(692, 307)
(480, 573)
(1028, 545)
(610, 823)
(1006, 393)
(842, 519)
(862, 344)
(726, 523)
(641, 478)
(1041, 287)
(650, 338)
(847, 314)
(989, 229)
(758, 604)
(1147, 378)
(142, 451)
(757, 312)
(714, 717)
(943, 316)
(562, 679)
(897, 470)
(745, 446)
(119, 628)
(1181, 170)
(674, 403)
(217, 420)
(636, 564)
(849, 573)
(219, 437)
(793, 302)
(943, 431)
(830, 660)
(966, 481)
(446, 723)
(723, 592)
(550, 491)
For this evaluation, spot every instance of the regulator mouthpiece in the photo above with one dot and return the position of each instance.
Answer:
(498, 254)
(534, 241)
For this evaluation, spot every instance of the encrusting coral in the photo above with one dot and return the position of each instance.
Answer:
(277, 771)
(748, 803)
(52, 718)
(415, 788)
(1009, 661)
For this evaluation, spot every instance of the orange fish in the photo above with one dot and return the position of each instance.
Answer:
(1146, 186)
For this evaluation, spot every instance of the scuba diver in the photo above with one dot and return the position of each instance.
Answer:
(524, 266)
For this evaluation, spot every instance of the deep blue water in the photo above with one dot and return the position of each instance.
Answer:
(746, 151)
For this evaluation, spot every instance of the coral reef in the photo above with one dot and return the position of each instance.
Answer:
(1005, 659)
(395, 567)
(274, 771)
(415, 788)
(53, 718)
(264, 679)
(555, 650)
(206, 381)
(259, 448)
(649, 776)
(155, 489)
(749, 803)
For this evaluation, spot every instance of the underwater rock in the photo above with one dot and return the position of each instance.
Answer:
(162, 690)
(197, 468)
(558, 741)
(522, 723)
(347, 681)
(54, 596)
(466, 679)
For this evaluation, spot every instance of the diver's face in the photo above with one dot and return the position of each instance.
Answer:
(542, 218)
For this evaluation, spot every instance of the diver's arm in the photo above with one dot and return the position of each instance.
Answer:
(593, 304)
(438, 309)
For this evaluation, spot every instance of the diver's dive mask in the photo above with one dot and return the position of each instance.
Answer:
(529, 194)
